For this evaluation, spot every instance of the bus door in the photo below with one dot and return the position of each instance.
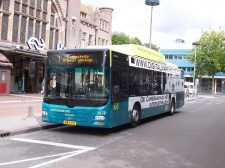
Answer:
(120, 79)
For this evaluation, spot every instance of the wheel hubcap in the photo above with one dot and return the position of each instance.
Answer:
(135, 115)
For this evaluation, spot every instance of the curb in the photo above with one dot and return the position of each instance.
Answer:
(194, 98)
(31, 129)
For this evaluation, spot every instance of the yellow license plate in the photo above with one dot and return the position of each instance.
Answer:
(69, 122)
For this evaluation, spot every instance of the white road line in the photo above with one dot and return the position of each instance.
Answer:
(53, 144)
(62, 158)
(32, 159)
(81, 149)
(24, 96)
(19, 101)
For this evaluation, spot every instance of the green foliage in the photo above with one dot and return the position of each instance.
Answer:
(210, 54)
(119, 38)
(153, 47)
(122, 38)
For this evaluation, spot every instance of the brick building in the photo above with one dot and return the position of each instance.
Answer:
(59, 23)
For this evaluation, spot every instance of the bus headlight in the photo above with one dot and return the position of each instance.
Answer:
(44, 113)
(99, 117)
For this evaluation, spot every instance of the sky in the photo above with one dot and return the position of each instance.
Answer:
(171, 19)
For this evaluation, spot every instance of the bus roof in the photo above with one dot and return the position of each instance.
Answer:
(136, 50)
(172, 65)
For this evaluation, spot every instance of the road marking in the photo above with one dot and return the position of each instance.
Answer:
(17, 101)
(80, 149)
(32, 159)
(62, 158)
(53, 144)
(25, 96)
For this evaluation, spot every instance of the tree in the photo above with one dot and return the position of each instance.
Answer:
(121, 38)
(210, 54)
(153, 47)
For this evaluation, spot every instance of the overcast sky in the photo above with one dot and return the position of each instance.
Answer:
(172, 19)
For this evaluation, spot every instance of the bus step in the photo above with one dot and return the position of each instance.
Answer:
(4, 133)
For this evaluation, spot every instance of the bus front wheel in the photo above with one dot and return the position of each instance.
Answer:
(135, 116)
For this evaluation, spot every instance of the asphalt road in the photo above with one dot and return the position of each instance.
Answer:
(192, 138)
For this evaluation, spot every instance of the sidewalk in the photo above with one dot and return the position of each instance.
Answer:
(21, 113)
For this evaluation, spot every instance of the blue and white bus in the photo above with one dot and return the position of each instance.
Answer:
(108, 86)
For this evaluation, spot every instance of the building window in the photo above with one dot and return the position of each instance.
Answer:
(3, 76)
(32, 2)
(52, 21)
(101, 24)
(99, 41)
(44, 16)
(23, 29)
(83, 15)
(43, 34)
(5, 19)
(24, 9)
(39, 4)
(38, 13)
(90, 39)
(17, 6)
(15, 28)
(56, 36)
(54, 30)
(6, 5)
(37, 29)
(103, 41)
(45, 5)
(31, 11)
(51, 37)
(30, 28)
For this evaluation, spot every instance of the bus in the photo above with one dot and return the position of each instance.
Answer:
(108, 86)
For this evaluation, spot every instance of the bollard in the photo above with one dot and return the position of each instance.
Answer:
(30, 111)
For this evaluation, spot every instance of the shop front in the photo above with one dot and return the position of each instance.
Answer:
(5, 70)
(28, 68)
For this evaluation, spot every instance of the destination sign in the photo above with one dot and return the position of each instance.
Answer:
(75, 59)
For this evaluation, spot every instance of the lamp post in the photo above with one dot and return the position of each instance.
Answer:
(195, 44)
(151, 3)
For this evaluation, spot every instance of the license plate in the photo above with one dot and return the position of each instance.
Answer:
(69, 122)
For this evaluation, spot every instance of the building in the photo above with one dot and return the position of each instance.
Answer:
(178, 56)
(28, 28)
(96, 26)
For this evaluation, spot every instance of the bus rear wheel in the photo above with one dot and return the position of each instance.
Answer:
(172, 107)
(135, 117)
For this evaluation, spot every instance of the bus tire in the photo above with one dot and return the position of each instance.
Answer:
(172, 107)
(135, 116)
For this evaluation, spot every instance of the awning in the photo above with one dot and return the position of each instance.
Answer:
(6, 64)
(4, 61)
(23, 51)
(3, 58)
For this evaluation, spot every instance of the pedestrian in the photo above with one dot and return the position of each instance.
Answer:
(42, 86)
(53, 86)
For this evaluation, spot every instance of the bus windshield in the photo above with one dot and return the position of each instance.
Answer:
(72, 79)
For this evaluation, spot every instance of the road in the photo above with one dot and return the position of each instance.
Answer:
(192, 138)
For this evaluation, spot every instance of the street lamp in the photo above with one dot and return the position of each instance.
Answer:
(195, 44)
(151, 3)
